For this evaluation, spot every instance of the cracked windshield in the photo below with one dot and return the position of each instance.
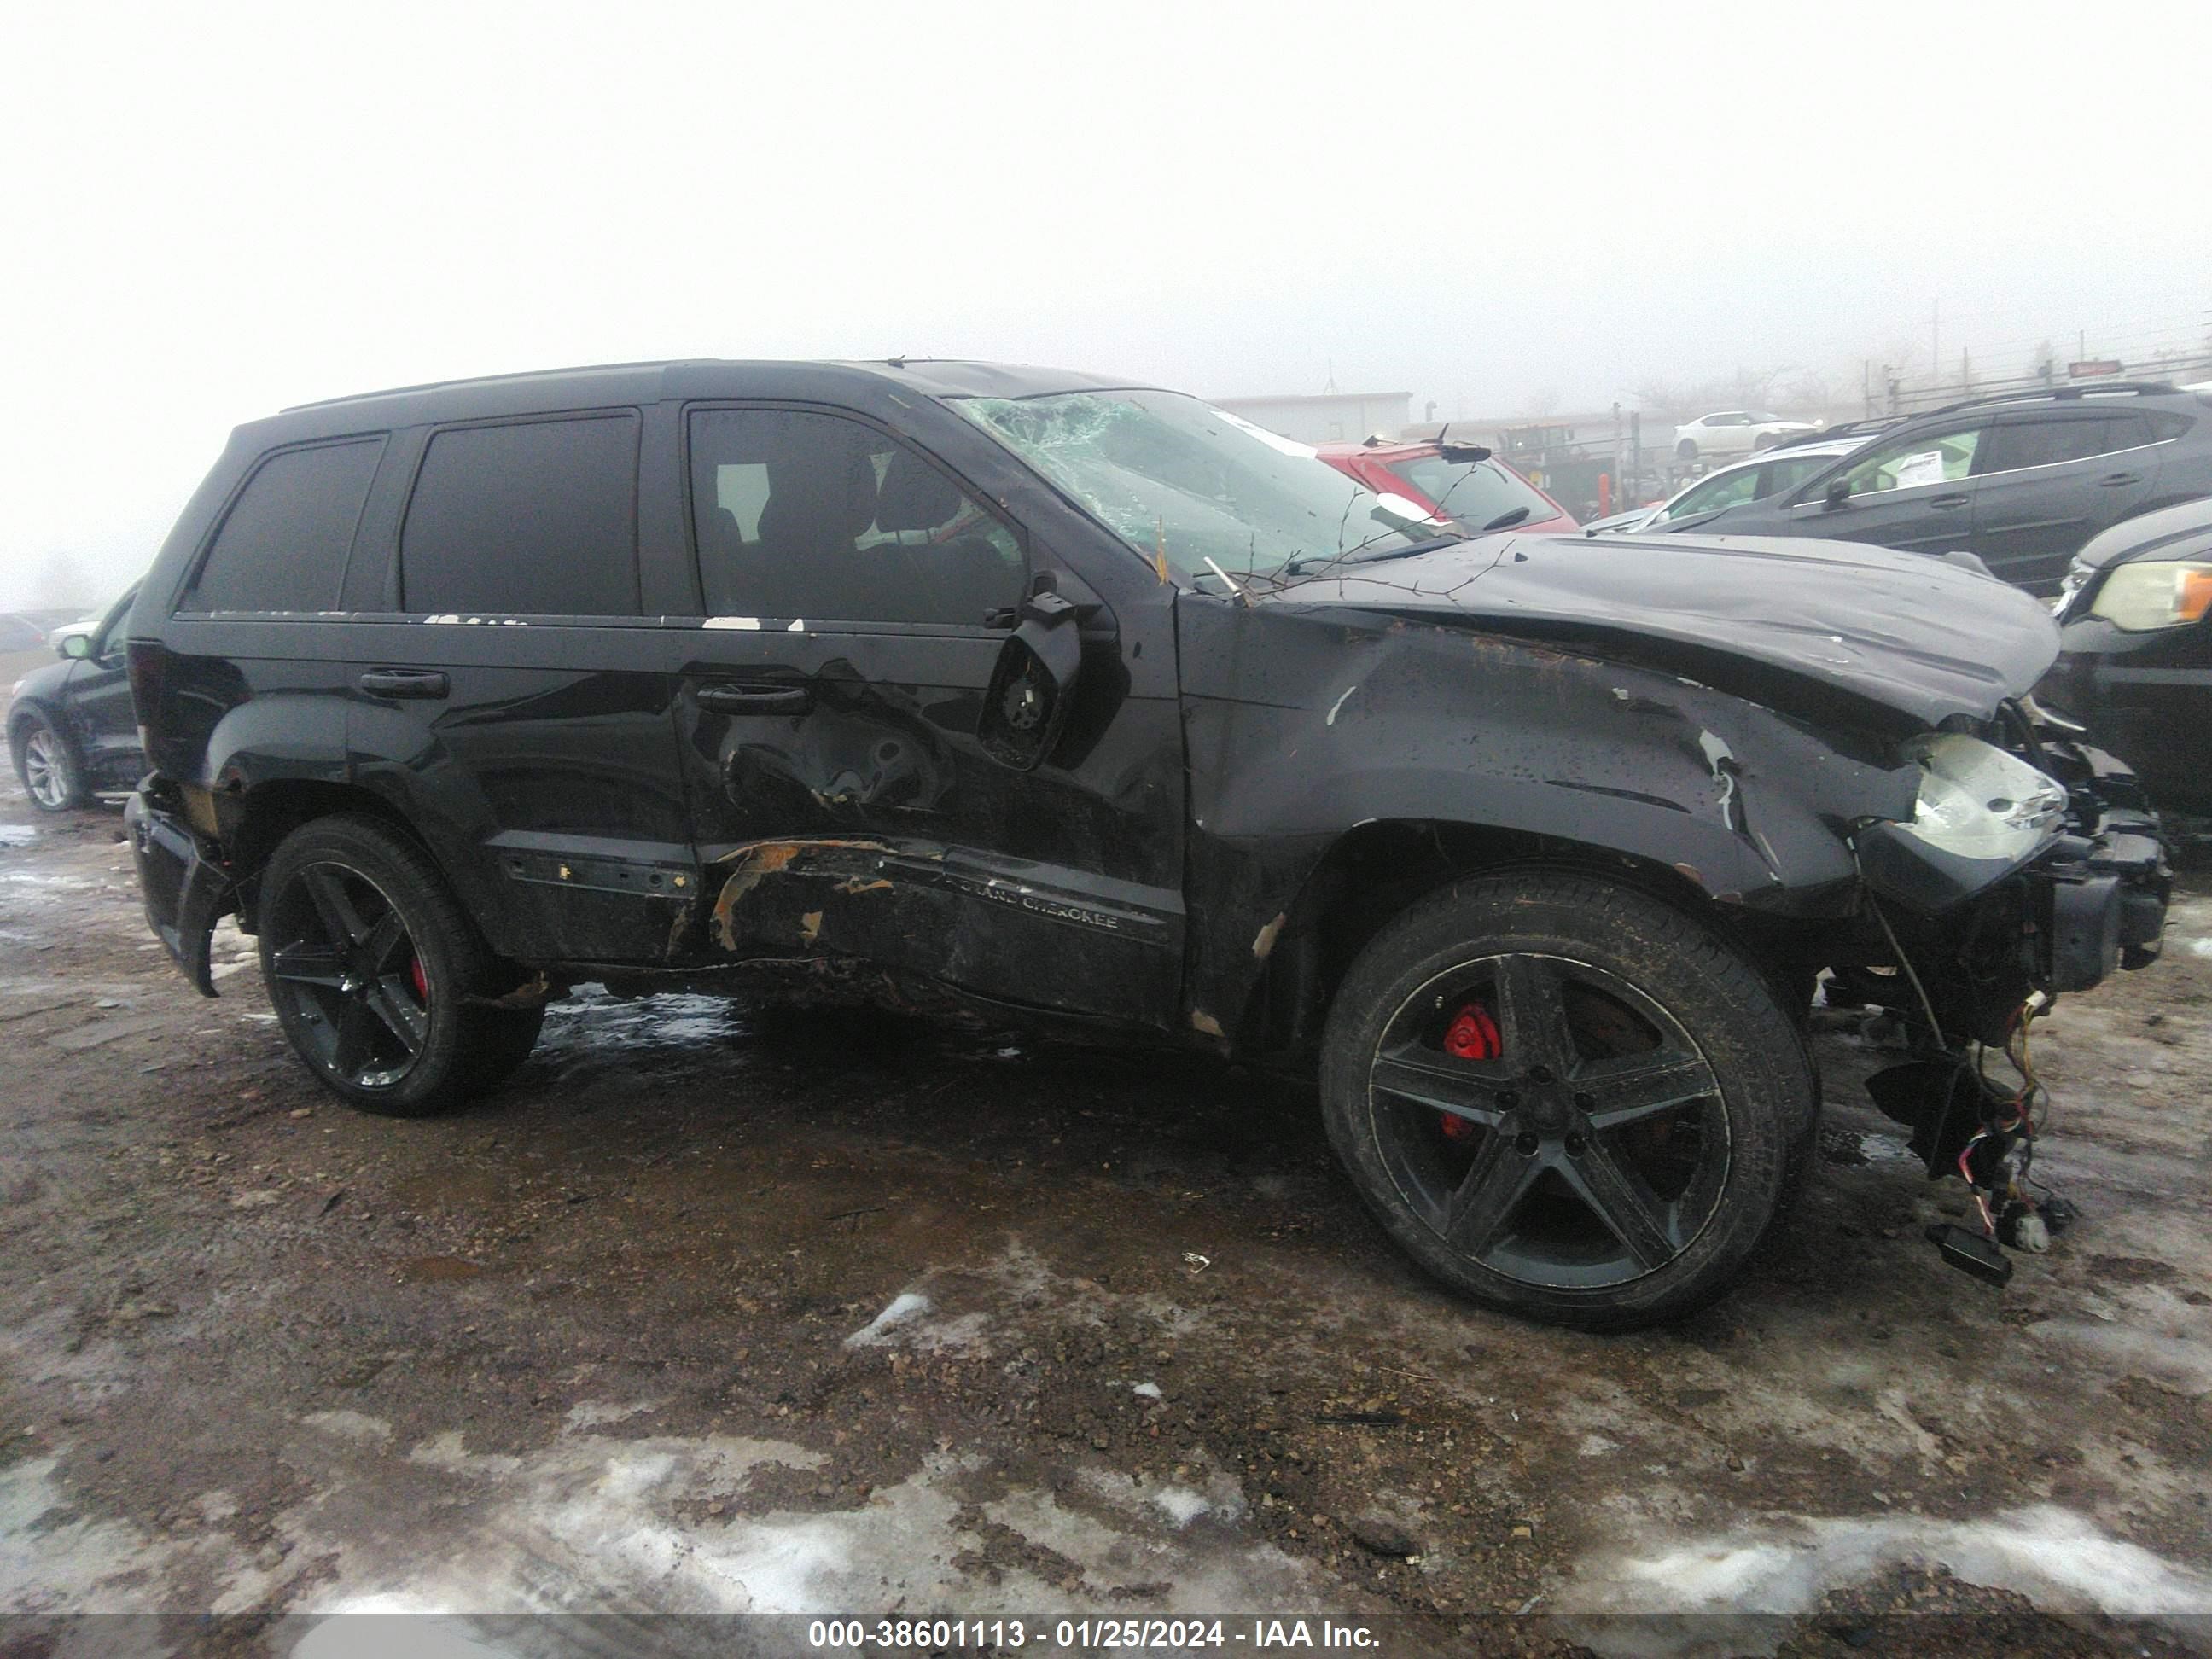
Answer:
(1176, 478)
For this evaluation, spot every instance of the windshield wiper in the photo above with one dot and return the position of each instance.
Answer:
(1504, 520)
(1434, 543)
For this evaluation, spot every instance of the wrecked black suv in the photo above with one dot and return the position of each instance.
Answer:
(1087, 704)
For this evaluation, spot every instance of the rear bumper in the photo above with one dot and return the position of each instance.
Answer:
(183, 881)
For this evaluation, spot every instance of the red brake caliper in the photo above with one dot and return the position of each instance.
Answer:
(1472, 1035)
(420, 981)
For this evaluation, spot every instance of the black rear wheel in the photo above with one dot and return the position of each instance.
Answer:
(1566, 1098)
(376, 975)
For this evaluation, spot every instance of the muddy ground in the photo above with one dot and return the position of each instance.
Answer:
(721, 1308)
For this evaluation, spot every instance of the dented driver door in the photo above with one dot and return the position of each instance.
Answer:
(827, 715)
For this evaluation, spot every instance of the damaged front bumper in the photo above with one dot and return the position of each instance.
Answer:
(182, 877)
(2086, 899)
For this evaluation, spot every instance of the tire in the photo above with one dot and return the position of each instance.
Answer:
(371, 965)
(1626, 1173)
(47, 764)
(1764, 442)
(1686, 450)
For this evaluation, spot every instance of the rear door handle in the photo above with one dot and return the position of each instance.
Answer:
(2113, 480)
(404, 683)
(1948, 501)
(725, 698)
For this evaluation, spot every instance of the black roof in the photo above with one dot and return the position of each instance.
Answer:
(548, 390)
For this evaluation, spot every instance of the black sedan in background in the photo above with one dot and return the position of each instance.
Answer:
(70, 725)
(2136, 650)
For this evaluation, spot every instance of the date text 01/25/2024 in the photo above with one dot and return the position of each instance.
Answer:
(1084, 1635)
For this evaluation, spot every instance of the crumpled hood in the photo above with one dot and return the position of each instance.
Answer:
(1905, 630)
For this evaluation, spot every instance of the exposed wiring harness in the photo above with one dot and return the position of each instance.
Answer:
(2014, 1120)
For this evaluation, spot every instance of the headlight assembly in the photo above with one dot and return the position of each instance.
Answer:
(2155, 593)
(1981, 813)
(1978, 802)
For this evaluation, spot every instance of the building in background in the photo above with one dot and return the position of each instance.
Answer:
(1331, 417)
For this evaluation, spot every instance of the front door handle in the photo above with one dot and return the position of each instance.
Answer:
(1947, 502)
(2114, 480)
(404, 683)
(725, 698)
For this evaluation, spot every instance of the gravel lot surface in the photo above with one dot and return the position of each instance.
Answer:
(730, 1309)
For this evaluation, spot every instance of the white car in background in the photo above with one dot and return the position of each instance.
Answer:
(1748, 480)
(1735, 432)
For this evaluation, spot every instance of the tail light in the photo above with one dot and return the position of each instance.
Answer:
(148, 661)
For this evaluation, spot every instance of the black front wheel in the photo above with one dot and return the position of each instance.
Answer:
(1567, 1098)
(377, 976)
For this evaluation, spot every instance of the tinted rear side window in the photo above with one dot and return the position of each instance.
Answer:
(284, 544)
(2072, 438)
(536, 519)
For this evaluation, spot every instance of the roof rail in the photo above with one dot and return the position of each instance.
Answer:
(478, 379)
(2063, 394)
(1841, 430)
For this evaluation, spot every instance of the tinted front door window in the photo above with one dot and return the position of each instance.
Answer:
(800, 515)
(1910, 463)
(538, 518)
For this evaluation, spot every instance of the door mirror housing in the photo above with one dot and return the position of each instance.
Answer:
(1032, 687)
(1838, 492)
(75, 646)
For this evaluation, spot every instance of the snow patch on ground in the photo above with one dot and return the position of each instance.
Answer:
(911, 1304)
(2051, 1555)
(593, 1414)
(354, 1426)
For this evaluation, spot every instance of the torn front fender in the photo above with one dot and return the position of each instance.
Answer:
(1306, 724)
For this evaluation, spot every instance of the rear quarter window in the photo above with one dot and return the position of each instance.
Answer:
(284, 542)
(538, 518)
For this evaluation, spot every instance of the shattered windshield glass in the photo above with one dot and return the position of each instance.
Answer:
(1175, 477)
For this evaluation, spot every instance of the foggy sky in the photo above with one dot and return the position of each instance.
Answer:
(213, 212)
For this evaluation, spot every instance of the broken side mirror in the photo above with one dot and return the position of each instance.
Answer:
(1032, 685)
(1838, 493)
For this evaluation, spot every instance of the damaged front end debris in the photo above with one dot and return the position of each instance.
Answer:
(2022, 875)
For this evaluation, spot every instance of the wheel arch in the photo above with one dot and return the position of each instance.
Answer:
(1376, 870)
(254, 820)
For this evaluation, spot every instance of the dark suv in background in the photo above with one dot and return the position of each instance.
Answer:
(1083, 704)
(71, 728)
(2021, 481)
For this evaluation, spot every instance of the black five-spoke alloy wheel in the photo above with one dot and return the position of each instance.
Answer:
(1566, 1097)
(346, 966)
(378, 977)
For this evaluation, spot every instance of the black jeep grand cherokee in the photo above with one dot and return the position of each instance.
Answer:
(1089, 704)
